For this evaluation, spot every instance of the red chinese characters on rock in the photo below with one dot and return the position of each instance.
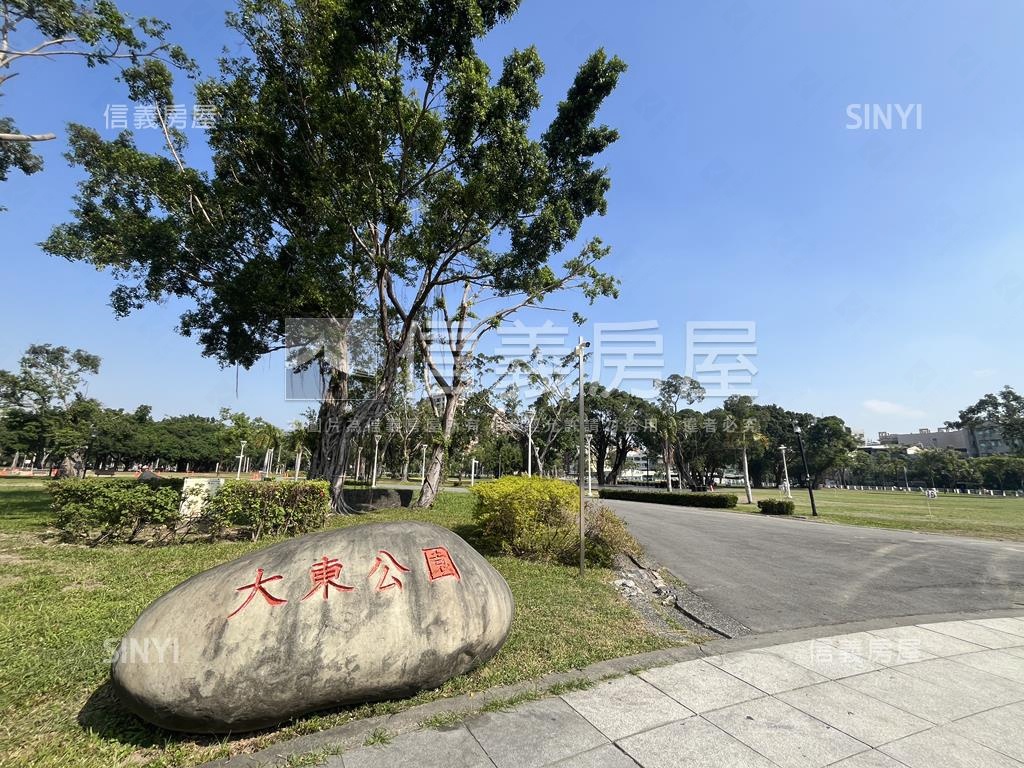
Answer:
(257, 588)
(390, 569)
(440, 564)
(323, 575)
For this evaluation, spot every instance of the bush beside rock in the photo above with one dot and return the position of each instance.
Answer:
(538, 519)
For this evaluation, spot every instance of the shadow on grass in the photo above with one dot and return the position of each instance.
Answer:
(105, 715)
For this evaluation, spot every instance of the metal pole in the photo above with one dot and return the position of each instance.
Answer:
(373, 478)
(529, 445)
(807, 471)
(298, 462)
(359, 462)
(590, 490)
(583, 447)
(746, 472)
(241, 457)
(423, 464)
(785, 472)
(472, 471)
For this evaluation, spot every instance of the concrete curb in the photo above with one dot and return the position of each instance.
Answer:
(354, 734)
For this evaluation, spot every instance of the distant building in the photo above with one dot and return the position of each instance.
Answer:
(943, 437)
(987, 440)
(984, 440)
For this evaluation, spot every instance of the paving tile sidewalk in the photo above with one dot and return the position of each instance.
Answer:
(948, 694)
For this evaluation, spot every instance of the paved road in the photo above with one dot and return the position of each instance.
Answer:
(773, 574)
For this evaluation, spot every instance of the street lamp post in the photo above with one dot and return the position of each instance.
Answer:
(472, 471)
(785, 473)
(376, 445)
(807, 471)
(241, 457)
(529, 442)
(423, 464)
(583, 443)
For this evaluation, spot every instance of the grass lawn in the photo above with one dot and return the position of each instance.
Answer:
(985, 516)
(64, 607)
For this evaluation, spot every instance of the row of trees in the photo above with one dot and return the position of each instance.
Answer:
(46, 416)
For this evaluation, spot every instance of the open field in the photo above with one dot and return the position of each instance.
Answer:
(64, 607)
(984, 516)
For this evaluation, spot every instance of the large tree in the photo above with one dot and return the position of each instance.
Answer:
(95, 32)
(1004, 410)
(365, 159)
(43, 400)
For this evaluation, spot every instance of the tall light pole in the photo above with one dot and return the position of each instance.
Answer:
(241, 457)
(807, 471)
(785, 473)
(583, 444)
(529, 442)
(472, 471)
(423, 463)
(376, 445)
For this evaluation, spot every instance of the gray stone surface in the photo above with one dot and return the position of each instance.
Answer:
(625, 706)
(872, 759)
(827, 660)
(607, 756)
(766, 671)
(1009, 625)
(693, 743)
(1001, 729)
(942, 747)
(785, 735)
(929, 641)
(999, 663)
(878, 649)
(866, 719)
(955, 678)
(700, 686)
(773, 574)
(534, 734)
(233, 658)
(450, 747)
(927, 699)
(976, 633)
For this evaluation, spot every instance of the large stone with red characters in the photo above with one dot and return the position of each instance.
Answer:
(358, 614)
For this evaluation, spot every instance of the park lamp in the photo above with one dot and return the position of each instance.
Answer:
(807, 471)
(584, 463)
(530, 415)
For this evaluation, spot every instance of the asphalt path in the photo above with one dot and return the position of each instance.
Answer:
(775, 573)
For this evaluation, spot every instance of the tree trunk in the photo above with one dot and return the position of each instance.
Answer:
(339, 425)
(435, 467)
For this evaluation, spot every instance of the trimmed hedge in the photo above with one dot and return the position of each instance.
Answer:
(538, 518)
(776, 506)
(113, 509)
(260, 508)
(712, 500)
(121, 509)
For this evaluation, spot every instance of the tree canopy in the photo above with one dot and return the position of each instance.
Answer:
(365, 159)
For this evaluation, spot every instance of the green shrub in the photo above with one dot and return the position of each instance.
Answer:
(714, 500)
(538, 518)
(776, 506)
(102, 509)
(269, 509)
(120, 509)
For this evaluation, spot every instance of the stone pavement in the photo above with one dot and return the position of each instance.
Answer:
(948, 694)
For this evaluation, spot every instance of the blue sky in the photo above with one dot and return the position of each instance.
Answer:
(882, 268)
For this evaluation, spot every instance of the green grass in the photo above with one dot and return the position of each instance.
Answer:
(984, 516)
(64, 607)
